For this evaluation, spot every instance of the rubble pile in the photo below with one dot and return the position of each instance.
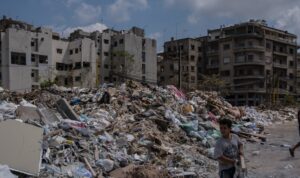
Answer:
(131, 130)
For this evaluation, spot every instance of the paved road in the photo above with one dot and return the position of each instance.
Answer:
(273, 160)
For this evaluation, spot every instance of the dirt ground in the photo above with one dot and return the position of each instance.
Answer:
(273, 159)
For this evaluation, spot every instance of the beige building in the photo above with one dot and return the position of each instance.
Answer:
(30, 56)
(257, 62)
(180, 63)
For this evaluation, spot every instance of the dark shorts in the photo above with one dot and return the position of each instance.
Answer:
(228, 173)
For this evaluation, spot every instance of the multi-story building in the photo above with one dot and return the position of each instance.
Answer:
(181, 62)
(127, 55)
(257, 62)
(30, 56)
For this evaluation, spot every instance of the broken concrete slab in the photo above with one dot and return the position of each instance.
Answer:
(26, 113)
(47, 115)
(21, 147)
(65, 109)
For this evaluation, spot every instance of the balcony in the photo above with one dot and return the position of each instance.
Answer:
(281, 53)
(278, 65)
(250, 76)
(213, 66)
(247, 35)
(249, 62)
(249, 48)
(287, 41)
(213, 52)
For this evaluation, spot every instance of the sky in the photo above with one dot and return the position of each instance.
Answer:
(161, 19)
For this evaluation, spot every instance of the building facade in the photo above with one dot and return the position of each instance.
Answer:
(181, 63)
(258, 63)
(30, 56)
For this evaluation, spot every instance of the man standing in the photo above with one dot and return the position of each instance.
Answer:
(227, 150)
(292, 150)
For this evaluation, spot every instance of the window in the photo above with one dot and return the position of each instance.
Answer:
(181, 47)
(268, 45)
(250, 57)
(106, 41)
(250, 43)
(106, 78)
(59, 66)
(143, 68)
(192, 58)
(115, 44)
(291, 75)
(71, 52)
(143, 56)
(192, 47)
(162, 68)
(18, 58)
(77, 79)
(121, 41)
(43, 59)
(105, 53)
(32, 58)
(226, 60)
(76, 50)
(162, 78)
(86, 64)
(105, 66)
(192, 68)
(193, 79)
(59, 51)
(199, 49)
(171, 67)
(32, 74)
(225, 73)
(291, 63)
(77, 65)
(169, 49)
(144, 78)
(226, 46)
(291, 51)
(187, 68)
(199, 58)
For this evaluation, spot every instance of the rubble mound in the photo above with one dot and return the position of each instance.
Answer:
(131, 130)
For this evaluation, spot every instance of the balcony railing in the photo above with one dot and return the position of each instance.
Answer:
(249, 48)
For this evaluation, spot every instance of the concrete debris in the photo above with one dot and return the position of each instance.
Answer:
(131, 130)
(20, 146)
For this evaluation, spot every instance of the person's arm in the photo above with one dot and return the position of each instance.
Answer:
(226, 160)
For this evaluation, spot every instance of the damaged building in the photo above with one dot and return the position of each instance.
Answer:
(257, 62)
(30, 56)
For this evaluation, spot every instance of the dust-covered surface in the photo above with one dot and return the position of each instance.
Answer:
(272, 159)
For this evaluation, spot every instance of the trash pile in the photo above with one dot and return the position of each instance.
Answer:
(131, 130)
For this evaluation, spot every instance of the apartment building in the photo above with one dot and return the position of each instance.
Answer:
(181, 63)
(29, 56)
(257, 62)
(127, 55)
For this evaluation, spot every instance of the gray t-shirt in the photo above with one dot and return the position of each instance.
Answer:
(228, 148)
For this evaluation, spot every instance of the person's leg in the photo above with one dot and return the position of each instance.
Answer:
(228, 173)
(292, 150)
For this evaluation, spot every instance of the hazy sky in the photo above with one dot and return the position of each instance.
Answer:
(161, 19)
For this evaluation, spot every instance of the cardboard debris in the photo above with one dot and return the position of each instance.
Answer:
(20, 146)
